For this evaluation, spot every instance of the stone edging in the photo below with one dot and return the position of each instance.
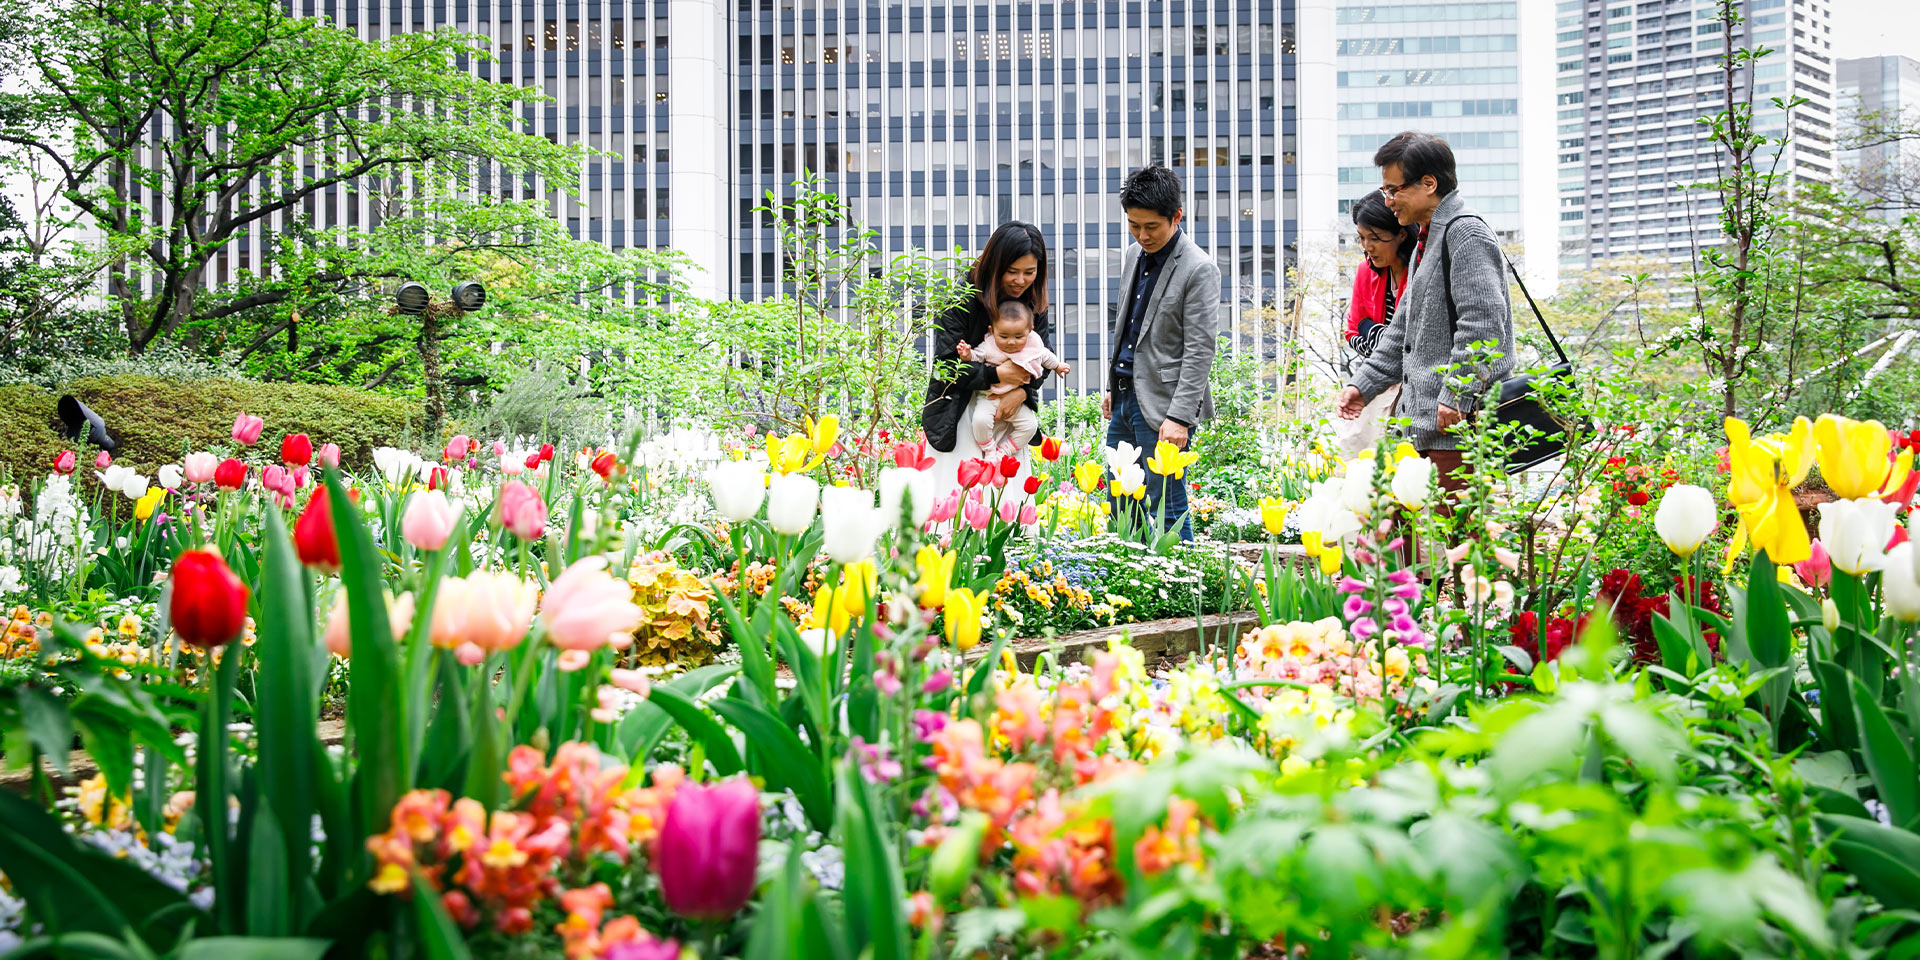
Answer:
(1156, 638)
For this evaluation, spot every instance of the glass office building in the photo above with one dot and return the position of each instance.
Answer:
(1459, 71)
(1881, 90)
(1634, 81)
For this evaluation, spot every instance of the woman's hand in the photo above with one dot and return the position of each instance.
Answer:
(1012, 374)
(1010, 404)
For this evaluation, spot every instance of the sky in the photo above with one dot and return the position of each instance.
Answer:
(1874, 28)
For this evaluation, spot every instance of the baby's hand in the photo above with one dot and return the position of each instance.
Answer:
(965, 352)
(1064, 370)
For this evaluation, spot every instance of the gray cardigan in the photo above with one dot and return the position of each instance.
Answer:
(1173, 355)
(1416, 344)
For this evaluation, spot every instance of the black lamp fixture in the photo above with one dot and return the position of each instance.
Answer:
(469, 296)
(411, 298)
(83, 424)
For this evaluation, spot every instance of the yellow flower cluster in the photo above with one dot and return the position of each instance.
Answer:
(675, 608)
(1069, 508)
(1042, 586)
(21, 638)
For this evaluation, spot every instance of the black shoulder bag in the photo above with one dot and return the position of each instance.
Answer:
(1517, 403)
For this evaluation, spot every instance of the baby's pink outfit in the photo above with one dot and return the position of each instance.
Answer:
(1034, 358)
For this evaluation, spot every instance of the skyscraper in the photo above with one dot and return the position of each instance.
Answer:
(938, 120)
(1460, 71)
(1882, 90)
(1635, 79)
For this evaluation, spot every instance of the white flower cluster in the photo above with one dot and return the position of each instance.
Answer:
(682, 451)
(49, 546)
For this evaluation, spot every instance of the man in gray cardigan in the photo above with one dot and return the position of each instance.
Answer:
(1164, 335)
(1425, 336)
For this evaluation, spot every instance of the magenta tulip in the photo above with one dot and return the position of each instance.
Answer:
(708, 849)
(102, 460)
(1817, 569)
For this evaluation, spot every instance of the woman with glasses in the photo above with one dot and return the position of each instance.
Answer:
(1378, 284)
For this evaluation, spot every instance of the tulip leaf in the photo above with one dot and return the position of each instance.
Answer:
(1887, 757)
(253, 948)
(1836, 705)
(49, 726)
(287, 711)
(269, 899)
(1885, 860)
(647, 724)
(374, 703)
(875, 892)
(439, 938)
(705, 730)
(66, 883)
(752, 645)
(789, 765)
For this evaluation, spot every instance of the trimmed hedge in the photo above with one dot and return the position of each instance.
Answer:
(156, 421)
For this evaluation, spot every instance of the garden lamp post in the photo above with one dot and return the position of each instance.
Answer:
(413, 299)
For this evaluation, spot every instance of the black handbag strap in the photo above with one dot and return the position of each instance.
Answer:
(1446, 279)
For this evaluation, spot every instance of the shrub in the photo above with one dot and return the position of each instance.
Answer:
(155, 421)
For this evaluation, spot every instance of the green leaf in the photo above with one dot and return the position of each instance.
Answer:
(439, 938)
(1837, 725)
(875, 893)
(705, 730)
(49, 727)
(253, 948)
(374, 707)
(646, 724)
(269, 884)
(752, 645)
(1887, 758)
(788, 762)
(1769, 632)
(288, 711)
(1885, 860)
(66, 884)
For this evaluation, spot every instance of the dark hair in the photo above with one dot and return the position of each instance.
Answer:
(1371, 211)
(1013, 240)
(1420, 155)
(1014, 310)
(1152, 188)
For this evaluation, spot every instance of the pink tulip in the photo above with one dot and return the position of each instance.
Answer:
(586, 607)
(573, 661)
(945, 508)
(301, 476)
(978, 515)
(1817, 569)
(499, 448)
(339, 635)
(469, 654)
(199, 466)
(1029, 515)
(457, 448)
(102, 461)
(708, 849)
(512, 467)
(246, 429)
(632, 681)
(329, 455)
(65, 463)
(912, 456)
(428, 521)
(522, 511)
(1009, 510)
(971, 472)
(276, 478)
(488, 610)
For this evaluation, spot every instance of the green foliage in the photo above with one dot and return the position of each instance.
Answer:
(544, 403)
(155, 421)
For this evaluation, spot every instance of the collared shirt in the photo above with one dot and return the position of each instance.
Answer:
(1146, 274)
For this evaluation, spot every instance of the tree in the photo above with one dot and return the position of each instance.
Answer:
(175, 126)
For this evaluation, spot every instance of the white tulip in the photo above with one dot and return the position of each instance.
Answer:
(1856, 532)
(135, 487)
(791, 501)
(738, 487)
(116, 477)
(1686, 517)
(1126, 454)
(171, 475)
(1324, 513)
(1900, 584)
(1356, 490)
(916, 485)
(1412, 480)
(849, 523)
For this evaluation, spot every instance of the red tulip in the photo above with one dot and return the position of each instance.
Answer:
(605, 464)
(1638, 498)
(1032, 485)
(313, 536)
(66, 462)
(546, 452)
(708, 849)
(437, 480)
(972, 472)
(1050, 449)
(534, 461)
(231, 474)
(207, 603)
(296, 450)
(1009, 466)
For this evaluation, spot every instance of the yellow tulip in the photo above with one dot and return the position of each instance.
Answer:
(1854, 455)
(1170, 461)
(827, 613)
(1762, 475)
(859, 582)
(963, 611)
(822, 433)
(789, 454)
(143, 508)
(936, 573)
(1400, 452)
(1273, 514)
(1330, 559)
(1086, 475)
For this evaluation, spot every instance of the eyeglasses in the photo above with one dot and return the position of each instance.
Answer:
(1392, 190)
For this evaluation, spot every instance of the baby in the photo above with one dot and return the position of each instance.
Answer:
(1010, 337)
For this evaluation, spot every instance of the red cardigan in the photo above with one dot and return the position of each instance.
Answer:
(1368, 303)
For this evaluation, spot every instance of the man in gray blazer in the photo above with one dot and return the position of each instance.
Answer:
(1163, 334)
(1456, 298)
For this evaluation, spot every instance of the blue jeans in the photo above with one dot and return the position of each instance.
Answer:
(1129, 425)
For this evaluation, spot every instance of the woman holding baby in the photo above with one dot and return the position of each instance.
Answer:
(990, 352)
